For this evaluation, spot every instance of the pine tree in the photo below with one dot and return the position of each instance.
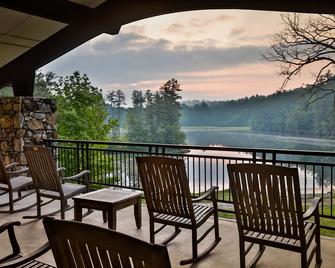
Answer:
(159, 120)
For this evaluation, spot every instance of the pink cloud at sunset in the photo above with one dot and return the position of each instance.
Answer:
(213, 54)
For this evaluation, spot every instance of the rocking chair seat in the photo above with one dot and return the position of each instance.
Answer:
(69, 190)
(18, 182)
(293, 244)
(201, 212)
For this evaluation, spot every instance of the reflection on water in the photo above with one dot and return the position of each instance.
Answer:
(203, 173)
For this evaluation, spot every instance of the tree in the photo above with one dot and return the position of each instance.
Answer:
(159, 120)
(45, 84)
(306, 41)
(138, 99)
(136, 129)
(81, 111)
(168, 113)
(117, 99)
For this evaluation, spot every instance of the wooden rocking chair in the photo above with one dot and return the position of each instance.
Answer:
(12, 180)
(15, 260)
(169, 202)
(268, 208)
(48, 182)
(81, 245)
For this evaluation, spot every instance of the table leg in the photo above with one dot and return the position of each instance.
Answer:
(104, 215)
(111, 214)
(78, 212)
(138, 213)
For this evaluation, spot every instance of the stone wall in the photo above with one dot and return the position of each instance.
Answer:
(25, 121)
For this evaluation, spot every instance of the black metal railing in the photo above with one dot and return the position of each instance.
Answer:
(114, 164)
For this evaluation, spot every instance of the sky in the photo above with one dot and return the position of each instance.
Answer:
(214, 55)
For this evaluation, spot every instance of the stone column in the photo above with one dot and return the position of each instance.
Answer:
(25, 121)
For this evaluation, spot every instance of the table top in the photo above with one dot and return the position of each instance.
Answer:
(109, 195)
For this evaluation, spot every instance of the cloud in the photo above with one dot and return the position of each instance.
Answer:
(196, 25)
(237, 31)
(129, 58)
(206, 22)
(175, 28)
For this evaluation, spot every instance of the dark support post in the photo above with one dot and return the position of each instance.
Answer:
(23, 85)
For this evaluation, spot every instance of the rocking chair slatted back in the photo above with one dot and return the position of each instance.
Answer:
(165, 184)
(267, 199)
(81, 245)
(43, 168)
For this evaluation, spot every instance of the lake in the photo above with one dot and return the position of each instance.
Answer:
(222, 137)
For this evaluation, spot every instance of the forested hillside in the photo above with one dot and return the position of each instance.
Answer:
(285, 112)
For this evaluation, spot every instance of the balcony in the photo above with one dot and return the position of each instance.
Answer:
(31, 235)
(113, 164)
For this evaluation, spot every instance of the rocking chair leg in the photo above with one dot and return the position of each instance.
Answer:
(152, 232)
(63, 205)
(242, 254)
(216, 226)
(11, 202)
(257, 256)
(304, 259)
(317, 242)
(38, 197)
(194, 244)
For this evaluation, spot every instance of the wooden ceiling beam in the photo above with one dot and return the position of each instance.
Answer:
(73, 35)
(58, 10)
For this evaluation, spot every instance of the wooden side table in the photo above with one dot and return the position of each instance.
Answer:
(109, 201)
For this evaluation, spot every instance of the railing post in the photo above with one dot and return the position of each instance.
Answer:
(274, 158)
(254, 157)
(264, 157)
(77, 158)
(86, 153)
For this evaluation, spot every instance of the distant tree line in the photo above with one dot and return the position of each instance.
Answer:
(285, 112)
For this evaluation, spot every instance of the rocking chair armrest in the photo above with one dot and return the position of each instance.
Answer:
(11, 165)
(313, 209)
(79, 175)
(210, 192)
(17, 172)
(22, 260)
(8, 225)
(60, 171)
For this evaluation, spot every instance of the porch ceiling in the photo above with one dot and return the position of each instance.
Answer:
(35, 32)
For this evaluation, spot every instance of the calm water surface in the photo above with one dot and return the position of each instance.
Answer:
(203, 177)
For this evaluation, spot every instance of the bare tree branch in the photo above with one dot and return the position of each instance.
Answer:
(303, 41)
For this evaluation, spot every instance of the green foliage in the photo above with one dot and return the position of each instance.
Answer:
(82, 113)
(284, 112)
(117, 99)
(155, 116)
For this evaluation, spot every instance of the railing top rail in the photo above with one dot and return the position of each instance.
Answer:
(204, 148)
